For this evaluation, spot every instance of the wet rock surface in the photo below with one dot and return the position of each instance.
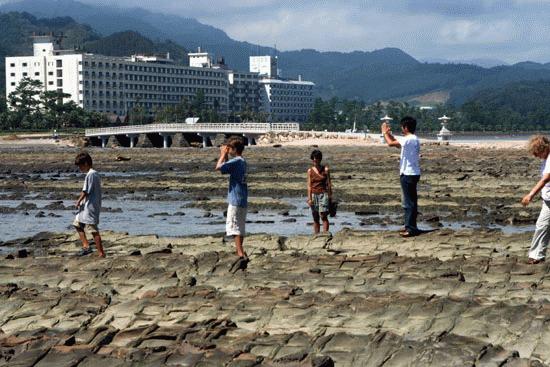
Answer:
(457, 185)
(355, 298)
(447, 298)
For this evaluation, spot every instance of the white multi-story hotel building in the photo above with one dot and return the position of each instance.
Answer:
(244, 92)
(287, 100)
(116, 85)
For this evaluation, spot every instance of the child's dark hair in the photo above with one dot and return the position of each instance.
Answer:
(83, 158)
(316, 154)
(237, 143)
(410, 123)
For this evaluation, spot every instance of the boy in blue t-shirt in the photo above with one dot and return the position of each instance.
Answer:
(237, 195)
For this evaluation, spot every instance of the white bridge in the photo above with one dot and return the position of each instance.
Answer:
(251, 131)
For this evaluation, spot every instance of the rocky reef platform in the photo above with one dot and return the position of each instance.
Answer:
(446, 298)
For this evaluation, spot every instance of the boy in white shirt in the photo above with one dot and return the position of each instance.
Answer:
(409, 171)
(539, 146)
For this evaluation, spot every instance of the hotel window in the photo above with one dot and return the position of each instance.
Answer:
(25, 74)
(59, 82)
(50, 73)
(12, 65)
(13, 84)
(12, 74)
(24, 64)
(58, 63)
(50, 82)
(36, 73)
(59, 73)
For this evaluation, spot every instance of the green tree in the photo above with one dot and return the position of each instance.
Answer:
(24, 103)
(53, 108)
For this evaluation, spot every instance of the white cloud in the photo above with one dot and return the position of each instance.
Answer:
(477, 32)
(454, 29)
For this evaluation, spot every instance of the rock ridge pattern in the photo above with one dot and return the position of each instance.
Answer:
(447, 298)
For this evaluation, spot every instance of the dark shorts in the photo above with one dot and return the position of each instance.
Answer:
(319, 202)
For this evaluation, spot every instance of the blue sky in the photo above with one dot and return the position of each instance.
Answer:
(509, 30)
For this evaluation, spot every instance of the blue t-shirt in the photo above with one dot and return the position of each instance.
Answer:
(238, 189)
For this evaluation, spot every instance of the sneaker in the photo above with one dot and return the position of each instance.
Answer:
(240, 264)
(84, 252)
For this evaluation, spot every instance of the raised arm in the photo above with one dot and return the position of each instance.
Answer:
(388, 137)
(224, 152)
(536, 189)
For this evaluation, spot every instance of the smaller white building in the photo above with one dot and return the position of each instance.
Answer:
(200, 59)
(266, 66)
(57, 70)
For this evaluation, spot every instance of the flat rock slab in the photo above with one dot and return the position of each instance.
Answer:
(433, 300)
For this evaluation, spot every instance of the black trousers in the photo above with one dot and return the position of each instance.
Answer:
(410, 201)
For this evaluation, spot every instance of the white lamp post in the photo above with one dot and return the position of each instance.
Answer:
(444, 134)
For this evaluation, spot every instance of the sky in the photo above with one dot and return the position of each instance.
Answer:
(507, 30)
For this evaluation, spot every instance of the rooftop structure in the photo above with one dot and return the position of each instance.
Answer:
(266, 66)
(200, 59)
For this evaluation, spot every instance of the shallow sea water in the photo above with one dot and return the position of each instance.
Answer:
(164, 218)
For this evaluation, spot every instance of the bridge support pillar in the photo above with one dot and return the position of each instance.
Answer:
(133, 138)
(165, 139)
(206, 139)
(251, 138)
(104, 140)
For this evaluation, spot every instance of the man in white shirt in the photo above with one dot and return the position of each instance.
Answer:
(409, 171)
(539, 146)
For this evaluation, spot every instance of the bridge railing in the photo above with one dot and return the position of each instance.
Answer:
(242, 128)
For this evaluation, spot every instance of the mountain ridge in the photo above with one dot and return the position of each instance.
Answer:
(388, 73)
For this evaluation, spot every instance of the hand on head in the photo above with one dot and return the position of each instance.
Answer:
(225, 149)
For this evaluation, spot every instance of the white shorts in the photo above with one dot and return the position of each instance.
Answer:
(236, 221)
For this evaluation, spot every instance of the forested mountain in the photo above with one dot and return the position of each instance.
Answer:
(130, 43)
(517, 106)
(367, 76)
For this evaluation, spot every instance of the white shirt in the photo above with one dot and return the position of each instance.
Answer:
(545, 169)
(409, 164)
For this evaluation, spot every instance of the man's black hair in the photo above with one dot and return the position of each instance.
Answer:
(236, 142)
(410, 123)
(316, 154)
(83, 158)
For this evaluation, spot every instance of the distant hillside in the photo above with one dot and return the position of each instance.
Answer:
(130, 43)
(368, 76)
(516, 106)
